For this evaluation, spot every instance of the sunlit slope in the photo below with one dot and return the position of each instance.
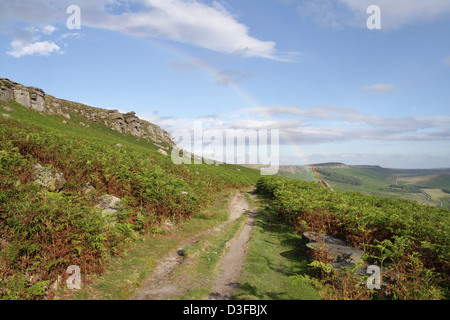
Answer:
(44, 231)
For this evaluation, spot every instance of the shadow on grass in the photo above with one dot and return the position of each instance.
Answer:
(248, 289)
(285, 261)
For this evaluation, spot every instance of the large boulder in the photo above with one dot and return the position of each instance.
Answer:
(343, 255)
(337, 250)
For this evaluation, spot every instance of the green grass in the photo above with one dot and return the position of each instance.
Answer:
(274, 263)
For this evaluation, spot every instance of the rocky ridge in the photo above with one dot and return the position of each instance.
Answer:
(126, 123)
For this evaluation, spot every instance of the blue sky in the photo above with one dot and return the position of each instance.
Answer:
(335, 89)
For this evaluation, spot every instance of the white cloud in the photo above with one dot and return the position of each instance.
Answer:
(321, 124)
(49, 29)
(311, 130)
(380, 88)
(41, 48)
(27, 41)
(198, 23)
(192, 22)
(76, 35)
(329, 123)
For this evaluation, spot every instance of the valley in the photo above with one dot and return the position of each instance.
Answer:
(387, 182)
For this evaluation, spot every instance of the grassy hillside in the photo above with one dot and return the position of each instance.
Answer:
(44, 231)
(394, 183)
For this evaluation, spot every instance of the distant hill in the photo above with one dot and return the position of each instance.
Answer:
(426, 186)
(331, 165)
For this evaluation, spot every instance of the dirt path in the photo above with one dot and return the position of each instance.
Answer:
(233, 261)
(159, 286)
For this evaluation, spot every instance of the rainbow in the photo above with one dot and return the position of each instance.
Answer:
(251, 101)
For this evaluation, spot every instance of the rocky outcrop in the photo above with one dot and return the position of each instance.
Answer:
(30, 97)
(126, 123)
(308, 168)
(6, 92)
(330, 165)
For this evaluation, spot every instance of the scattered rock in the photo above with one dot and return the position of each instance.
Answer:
(6, 115)
(8, 108)
(110, 205)
(51, 179)
(167, 225)
(163, 152)
(88, 189)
